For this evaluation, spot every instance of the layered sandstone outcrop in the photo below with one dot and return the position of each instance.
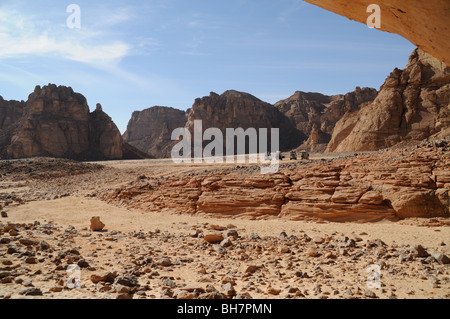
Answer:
(392, 184)
(424, 23)
(413, 104)
(316, 115)
(57, 122)
(151, 130)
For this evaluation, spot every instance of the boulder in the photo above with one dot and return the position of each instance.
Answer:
(96, 224)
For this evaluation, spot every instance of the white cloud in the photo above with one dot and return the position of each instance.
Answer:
(22, 36)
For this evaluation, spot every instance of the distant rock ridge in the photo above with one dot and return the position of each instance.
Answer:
(234, 109)
(316, 115)
(150, 130)
(413, 104)
(56, 121)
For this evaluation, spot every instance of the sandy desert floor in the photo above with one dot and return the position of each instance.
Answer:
(164, 255)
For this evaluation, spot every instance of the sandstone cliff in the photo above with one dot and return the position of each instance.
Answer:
(150, 130)
(235, 109)
(413, 104)
(424, 23)
(315, 114)
(56, 122)
(10, 113)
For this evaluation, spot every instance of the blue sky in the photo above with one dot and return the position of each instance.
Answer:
(131, 55)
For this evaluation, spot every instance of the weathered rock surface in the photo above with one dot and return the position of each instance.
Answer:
(56, 122)
(235, 109)
(151, 130)
(10, 113)
(413, 104)
(96, 224)
(424, 23)
(392, 184)
(315, 114)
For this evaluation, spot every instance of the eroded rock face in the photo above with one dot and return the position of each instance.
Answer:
(10, 113)
(315, 114)
(235, 109)
(392, 184)
(424, 23)
(56, 122)
(413, 104)
(150, 130)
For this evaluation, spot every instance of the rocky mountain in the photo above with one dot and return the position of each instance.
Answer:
(57, 122)
(10, 113)
(151, 130)
(234, 109)
(315, 114)
(413, 104)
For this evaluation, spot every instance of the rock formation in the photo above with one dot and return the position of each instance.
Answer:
(424, 23)
(316, 115)
(10, 113)
(151, 130)
(235, 109)
(389, 184)
(413, 104)
(56, 122)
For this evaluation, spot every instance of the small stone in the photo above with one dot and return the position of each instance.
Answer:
(284, 250)
(213, 238)
(232, 233)
(318, 240)
(83, 264)
(312, 252)
(7, 262)
(96, 224)
(226, 242)
(169, 283)
(216, 227)
(254, 236)
(105, 277)
(273, 291)
(370, 294)
(440, 257)
(31, 260)
(165, 262)
(283, 235)
(31, 292)
(4, 214)
(419, 251)
(28, 242)
(219, 249)
(127, 281)
(228, 290)
(248, 269)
